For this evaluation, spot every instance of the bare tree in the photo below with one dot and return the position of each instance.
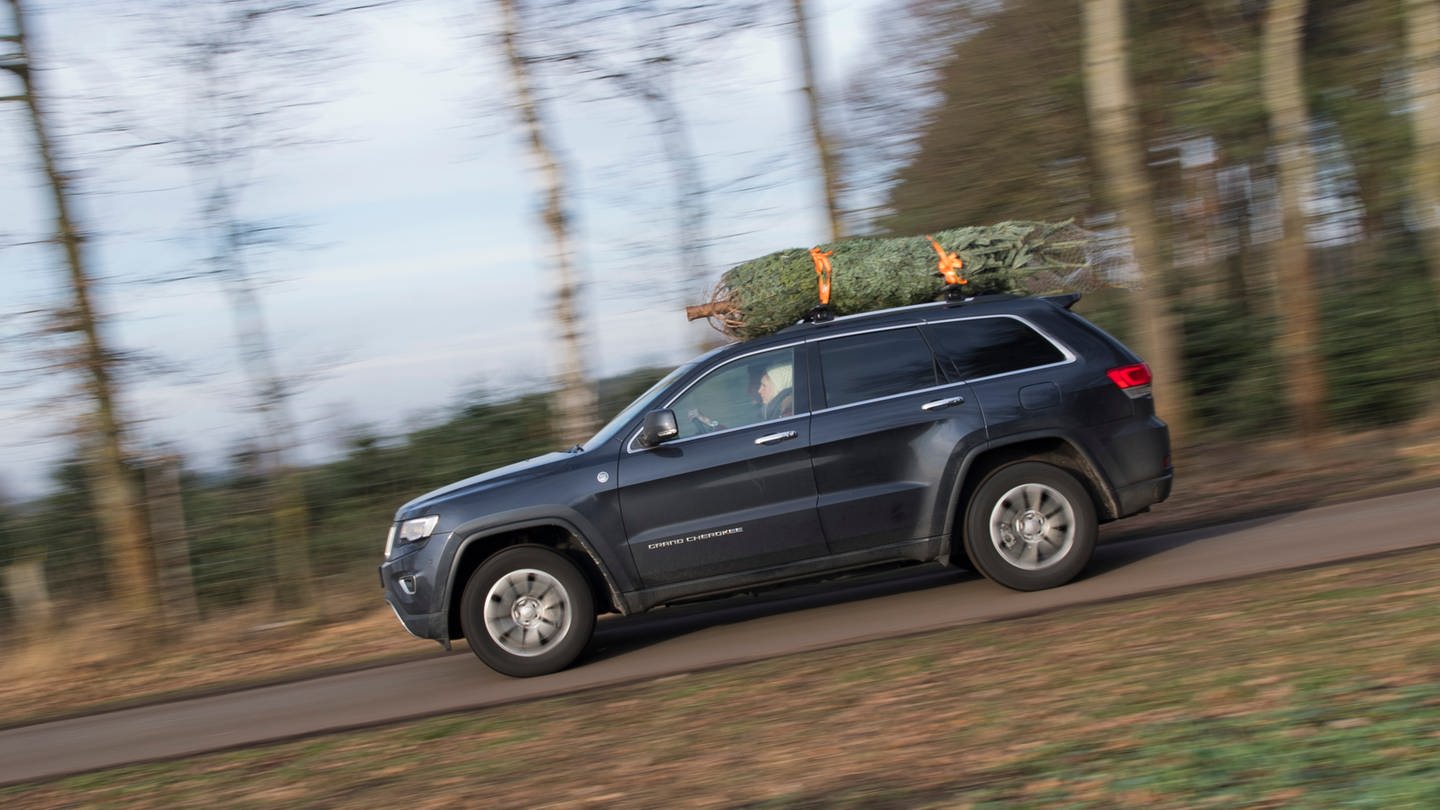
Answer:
(117, 503)
(576, 397)
(239, 63)
(1282, 87)
(1115, 122)
(829, 171)
(639, 47)
(1422, 45)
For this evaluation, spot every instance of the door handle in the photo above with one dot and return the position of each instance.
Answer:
(774, 438)
(942, 403)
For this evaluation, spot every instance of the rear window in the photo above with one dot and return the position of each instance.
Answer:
(875, 364)
(984, 347)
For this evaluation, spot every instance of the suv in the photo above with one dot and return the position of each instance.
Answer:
(995, 432)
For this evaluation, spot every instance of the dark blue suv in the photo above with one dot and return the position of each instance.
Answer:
(994, 433)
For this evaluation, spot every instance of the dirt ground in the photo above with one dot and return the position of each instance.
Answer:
(88, 664)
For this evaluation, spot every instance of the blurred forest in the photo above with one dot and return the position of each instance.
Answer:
(1293, 244)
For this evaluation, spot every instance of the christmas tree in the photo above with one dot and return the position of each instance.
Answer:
(763, 295)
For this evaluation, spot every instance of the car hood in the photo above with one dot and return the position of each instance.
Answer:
(485, 480)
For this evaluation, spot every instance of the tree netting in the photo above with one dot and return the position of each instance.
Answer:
(763, 295)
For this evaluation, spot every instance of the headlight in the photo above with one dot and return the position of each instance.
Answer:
(410, 531)
(417, 529)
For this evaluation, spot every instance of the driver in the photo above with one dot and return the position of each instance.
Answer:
(777, 394)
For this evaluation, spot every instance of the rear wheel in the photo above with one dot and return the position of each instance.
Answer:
(527, 611)
(1030, 526)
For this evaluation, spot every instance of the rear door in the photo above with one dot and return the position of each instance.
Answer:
(734, 491)
(887, 433)
(1019, 377)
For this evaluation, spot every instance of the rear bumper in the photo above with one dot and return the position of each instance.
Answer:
(1141, 496)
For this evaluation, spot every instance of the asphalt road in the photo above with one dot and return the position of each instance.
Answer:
(695, 637)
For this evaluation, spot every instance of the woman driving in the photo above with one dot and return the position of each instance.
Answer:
(777, 395)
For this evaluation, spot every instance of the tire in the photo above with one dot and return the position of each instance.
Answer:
(1030, 526)
(527, 611)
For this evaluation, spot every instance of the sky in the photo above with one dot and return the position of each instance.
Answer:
(415, 275)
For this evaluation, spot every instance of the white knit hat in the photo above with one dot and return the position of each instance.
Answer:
(780, 376)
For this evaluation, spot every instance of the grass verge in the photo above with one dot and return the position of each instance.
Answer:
(1316, 688)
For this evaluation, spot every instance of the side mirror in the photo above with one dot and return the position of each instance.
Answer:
(660, 426)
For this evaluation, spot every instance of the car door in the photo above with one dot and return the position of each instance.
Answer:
(887, 433)
(733, 492)
(1017, 375)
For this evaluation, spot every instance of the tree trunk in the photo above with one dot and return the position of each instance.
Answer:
(30, 600)
(117, 504)
(576, 398)
(829, 172)
(171, 539)
(1422, 46)
(1284, 95)
(293, 583)
(1115, 124)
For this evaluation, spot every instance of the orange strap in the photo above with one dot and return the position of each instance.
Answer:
(950, 264)
(824, 271)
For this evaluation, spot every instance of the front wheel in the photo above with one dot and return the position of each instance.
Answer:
(1030, 526)
(527, 611)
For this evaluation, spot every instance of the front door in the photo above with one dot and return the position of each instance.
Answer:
(734, 492)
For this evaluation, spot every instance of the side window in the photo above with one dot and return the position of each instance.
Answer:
(981, 347)
(739, 393)
(875, 364)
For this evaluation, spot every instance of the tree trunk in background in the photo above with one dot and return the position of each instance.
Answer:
(293, 585)
(1115, 123)
(828, 169)
(171, 540)
(1283, 89)
(1422, 46)
(34, 610)
(117, 504)
(576, 399)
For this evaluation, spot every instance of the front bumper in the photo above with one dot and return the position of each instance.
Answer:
(411, 588)
(420, 625)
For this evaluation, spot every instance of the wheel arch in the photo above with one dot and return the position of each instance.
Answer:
(1055, 450)
(554, 534)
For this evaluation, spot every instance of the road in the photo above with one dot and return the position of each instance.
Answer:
(696, 637)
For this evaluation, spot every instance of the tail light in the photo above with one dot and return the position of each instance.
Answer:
(1134, 380)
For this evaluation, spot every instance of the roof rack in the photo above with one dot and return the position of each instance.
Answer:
(819, 314)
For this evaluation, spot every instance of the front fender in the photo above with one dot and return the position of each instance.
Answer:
(584, 533)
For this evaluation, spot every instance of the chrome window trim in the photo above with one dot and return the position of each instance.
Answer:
(832, 408)
(1069, 356)
(890, 328)
(631, 445)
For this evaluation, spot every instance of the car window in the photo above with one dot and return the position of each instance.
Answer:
(982, 347)
(742, 392)
(875, 364)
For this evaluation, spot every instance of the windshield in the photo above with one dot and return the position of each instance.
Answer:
(641, 403)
